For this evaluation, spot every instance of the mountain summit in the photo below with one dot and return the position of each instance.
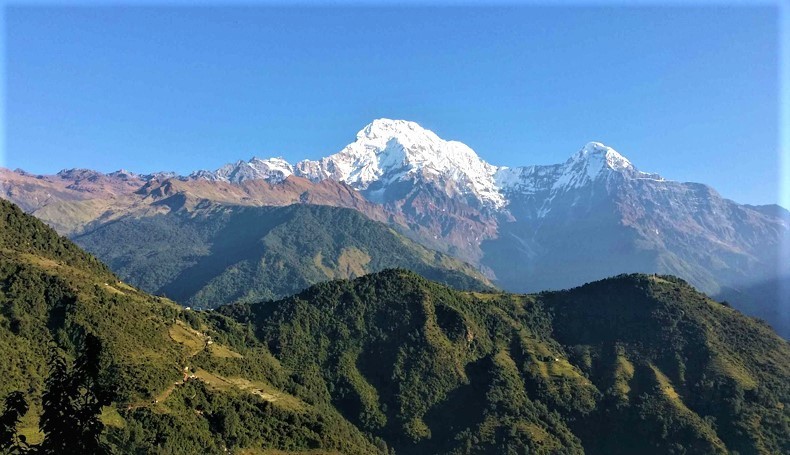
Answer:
(593, 161)
(392, 152)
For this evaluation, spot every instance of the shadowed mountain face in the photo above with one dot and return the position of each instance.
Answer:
(526, 228)
(647, 225)
(621, 223)
(392, 361)
(766, 300)
(217, 254)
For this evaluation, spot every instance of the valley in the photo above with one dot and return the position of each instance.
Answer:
(392, 361)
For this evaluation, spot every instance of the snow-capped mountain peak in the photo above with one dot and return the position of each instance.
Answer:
(592, 162)
(269, 169)
(387, 151)
(587, 165)
(600, 154)
(384, 128)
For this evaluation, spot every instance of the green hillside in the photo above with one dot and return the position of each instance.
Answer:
(224, 254)
(52, 294)
(393, 362)
(632, 364)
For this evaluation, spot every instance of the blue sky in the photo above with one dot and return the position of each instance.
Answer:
(688, 92)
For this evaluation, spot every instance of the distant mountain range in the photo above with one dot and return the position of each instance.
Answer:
(526, 228)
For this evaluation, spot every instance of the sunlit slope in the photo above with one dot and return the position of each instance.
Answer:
(179, 388)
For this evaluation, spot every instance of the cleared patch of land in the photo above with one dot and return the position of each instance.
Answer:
(258, 388)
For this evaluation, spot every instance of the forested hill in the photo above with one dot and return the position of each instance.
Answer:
(386, 362)
(632, 364)
(163, 380)
(23, 234)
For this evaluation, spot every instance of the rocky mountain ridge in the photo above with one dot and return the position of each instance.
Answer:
(527, 228)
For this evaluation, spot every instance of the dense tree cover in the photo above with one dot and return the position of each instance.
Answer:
(22, 232)
(222, 254)
(199, 420)
(633, 364)
(72, 402)
(388, 362)
(724, 374)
